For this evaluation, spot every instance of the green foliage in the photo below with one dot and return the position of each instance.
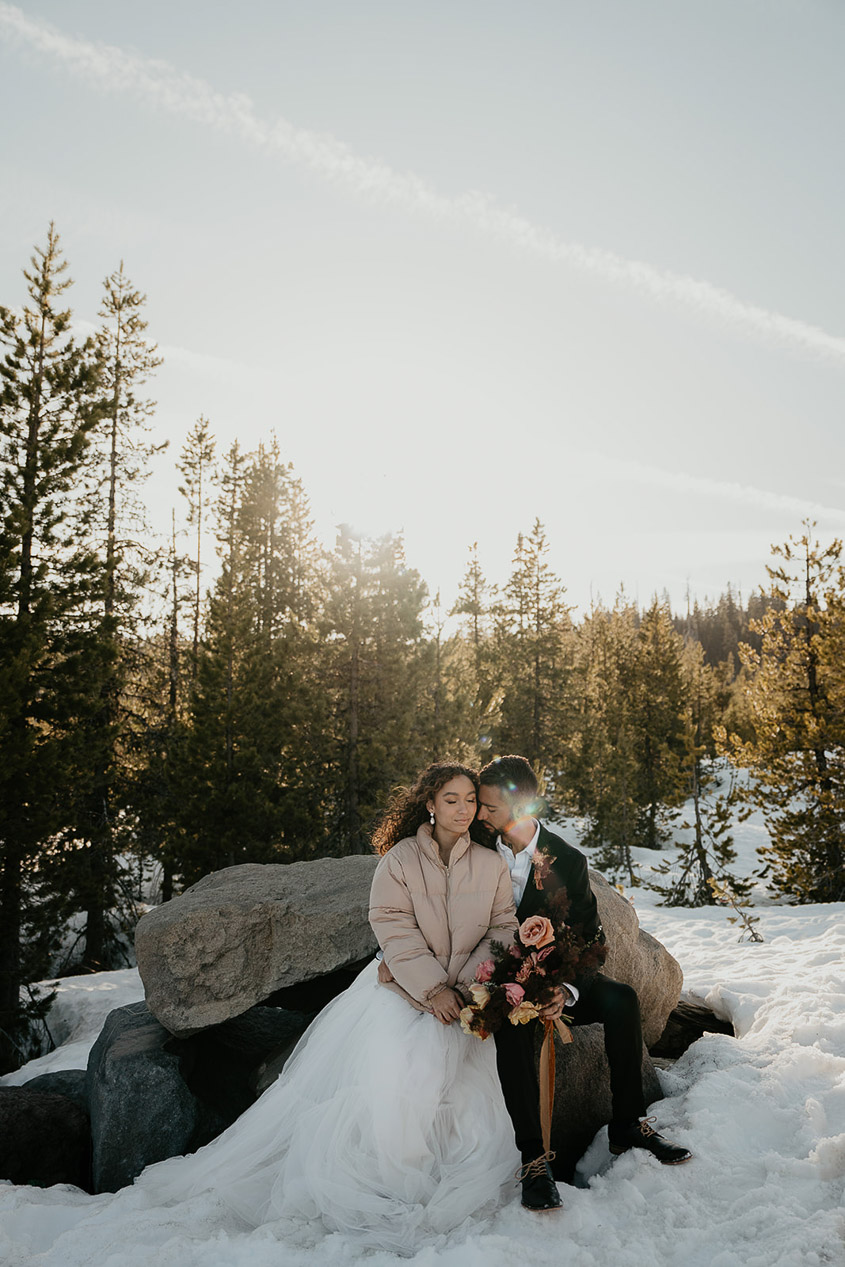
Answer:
(599, 775)
(117, 467)
(51, 656)
(796, 692)
(249, 761)
(381, 710)
(709, 851)
(701, 876)
(657, 705)
(471, 660)
(196, 466)
(623, 767)
(532, 656)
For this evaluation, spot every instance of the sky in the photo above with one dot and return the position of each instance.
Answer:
(473, 263)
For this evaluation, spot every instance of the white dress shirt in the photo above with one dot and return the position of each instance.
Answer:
(521, 866)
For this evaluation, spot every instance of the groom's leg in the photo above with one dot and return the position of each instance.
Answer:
(617, 1008)
(517, 1068)
(518, 1076)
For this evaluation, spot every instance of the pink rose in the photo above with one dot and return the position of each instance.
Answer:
(536, 931)
(484, 971)
(514, 993)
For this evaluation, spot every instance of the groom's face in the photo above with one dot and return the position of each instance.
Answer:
(495, 809)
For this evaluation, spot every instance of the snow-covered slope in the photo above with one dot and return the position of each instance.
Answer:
(764, 1116)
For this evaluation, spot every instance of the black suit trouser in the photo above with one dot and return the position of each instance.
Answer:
(613, 1005)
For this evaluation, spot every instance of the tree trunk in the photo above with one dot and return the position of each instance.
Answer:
(100, 848)
(352, 771)
(353, 790)
(173, 658)
(10, 956)
(703, 893)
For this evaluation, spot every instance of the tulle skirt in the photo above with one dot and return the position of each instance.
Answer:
(386, 1125)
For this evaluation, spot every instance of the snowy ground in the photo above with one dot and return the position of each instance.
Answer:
(764, 1116)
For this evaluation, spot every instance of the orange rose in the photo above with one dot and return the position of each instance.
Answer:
(466, 1017)
(536, 931)
(469, 1023)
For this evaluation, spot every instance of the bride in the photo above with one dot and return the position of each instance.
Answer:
(388, 1122)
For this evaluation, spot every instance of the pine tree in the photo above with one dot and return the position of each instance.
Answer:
(126, 361)
(707, 854)
(796, 695)
(533, 656)
(156, 791)
(448, 715)
(657, 723)
(51, 659)
(253, 769)
(470, 657)
(600, 771)
(197, 470)
(375, 633)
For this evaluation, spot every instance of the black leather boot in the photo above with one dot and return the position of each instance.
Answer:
(638, 1134)
(539, 1190)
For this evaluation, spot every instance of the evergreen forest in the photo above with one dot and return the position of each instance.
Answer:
(156, 726)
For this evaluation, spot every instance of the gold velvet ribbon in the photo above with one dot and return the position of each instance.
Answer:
(547, 1074)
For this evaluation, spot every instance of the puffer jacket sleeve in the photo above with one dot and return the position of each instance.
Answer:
(503, 925)
(406, 952)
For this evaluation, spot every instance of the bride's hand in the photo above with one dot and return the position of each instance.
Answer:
(385, 976)
(446, 1005)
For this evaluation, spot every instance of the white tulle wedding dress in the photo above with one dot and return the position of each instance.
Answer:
(386, 1125)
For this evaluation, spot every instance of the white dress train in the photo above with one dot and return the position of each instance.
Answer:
(386, 1125)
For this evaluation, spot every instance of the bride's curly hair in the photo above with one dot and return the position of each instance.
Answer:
(407, 808)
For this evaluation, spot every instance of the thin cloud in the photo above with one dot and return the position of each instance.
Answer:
(720, 490)
(220, 368)
(162, 86)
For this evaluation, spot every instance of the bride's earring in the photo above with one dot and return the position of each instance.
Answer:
(431, 816)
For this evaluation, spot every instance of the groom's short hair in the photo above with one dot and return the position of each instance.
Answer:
(512, 775)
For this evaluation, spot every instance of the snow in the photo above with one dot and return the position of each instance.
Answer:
(764, 1115)
(76, 1017)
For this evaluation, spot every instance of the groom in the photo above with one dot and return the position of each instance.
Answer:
(508, 794)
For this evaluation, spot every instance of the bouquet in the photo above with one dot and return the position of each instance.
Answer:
(521, 979)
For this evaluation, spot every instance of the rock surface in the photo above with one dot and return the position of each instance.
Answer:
(44, 1139)
(141, 1108)
(66, 1082)
(686, 1024)
(223, 1066)
(638, 959)
(238, 935)
(153, 1096)
(163, 1081)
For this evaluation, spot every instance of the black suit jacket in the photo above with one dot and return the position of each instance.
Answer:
(569, 869)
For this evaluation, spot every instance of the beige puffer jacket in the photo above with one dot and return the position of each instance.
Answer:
(435, 923)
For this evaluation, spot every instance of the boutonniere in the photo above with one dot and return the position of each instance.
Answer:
(542, 863)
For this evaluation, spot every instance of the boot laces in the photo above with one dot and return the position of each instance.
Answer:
(536, 1167)
(645, 1129)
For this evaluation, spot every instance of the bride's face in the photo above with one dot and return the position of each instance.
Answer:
(454, 805)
